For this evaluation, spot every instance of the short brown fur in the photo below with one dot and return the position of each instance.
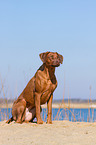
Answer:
(39, 90)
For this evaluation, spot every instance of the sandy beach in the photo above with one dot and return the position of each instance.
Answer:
(58, 133)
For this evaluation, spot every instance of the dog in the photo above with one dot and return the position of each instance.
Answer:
(38, 91)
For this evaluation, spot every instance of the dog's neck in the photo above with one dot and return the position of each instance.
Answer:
(50, 71)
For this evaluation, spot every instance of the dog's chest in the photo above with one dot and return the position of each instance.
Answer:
(45, 85)
(51, 85)
(48, 90)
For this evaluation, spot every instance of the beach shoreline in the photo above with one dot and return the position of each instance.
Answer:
(60, 105)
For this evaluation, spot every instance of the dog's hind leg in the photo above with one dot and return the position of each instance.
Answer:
(20, 114)
(18, 111)
(30, 114)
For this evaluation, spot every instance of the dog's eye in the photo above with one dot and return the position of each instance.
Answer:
(52, 56)
(49, 57)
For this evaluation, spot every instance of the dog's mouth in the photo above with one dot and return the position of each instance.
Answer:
(56, 65)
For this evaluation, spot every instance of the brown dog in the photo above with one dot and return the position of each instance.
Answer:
(38, 91)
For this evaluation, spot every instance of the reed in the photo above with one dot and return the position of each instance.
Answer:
(6, 102)
(66, 109)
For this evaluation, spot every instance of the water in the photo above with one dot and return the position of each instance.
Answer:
(81, 115)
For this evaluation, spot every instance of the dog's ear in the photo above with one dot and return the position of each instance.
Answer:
(43, 56)
(61, 58)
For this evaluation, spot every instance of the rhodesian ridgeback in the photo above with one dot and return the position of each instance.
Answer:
(38, 91)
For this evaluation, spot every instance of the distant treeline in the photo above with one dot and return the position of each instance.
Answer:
(74, 101)
(2, 101)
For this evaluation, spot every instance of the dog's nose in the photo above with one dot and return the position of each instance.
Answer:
(57, 61)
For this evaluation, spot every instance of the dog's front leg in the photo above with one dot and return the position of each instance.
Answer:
(49, 106)
(37, 104)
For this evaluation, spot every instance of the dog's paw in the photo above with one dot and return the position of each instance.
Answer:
(19, 121)
(8, 121)
(49, 121)
(40, 121)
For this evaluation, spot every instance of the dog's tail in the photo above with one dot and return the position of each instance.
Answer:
(10, 120)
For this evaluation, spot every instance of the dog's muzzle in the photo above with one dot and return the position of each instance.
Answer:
(56, 63)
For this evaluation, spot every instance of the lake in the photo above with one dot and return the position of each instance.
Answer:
(80, 115)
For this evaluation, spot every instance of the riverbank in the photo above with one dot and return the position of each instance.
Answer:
(60, 132)
(59, 105)
(72, 105)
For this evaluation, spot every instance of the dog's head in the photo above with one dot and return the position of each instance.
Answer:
(51, 58)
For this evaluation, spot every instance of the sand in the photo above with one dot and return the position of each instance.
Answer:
(58, 133)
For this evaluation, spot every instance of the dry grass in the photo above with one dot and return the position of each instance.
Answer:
(63, 105)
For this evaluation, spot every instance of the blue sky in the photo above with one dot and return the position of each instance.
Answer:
(28, 28)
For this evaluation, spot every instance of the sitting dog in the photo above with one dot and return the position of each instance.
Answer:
(38, 91)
